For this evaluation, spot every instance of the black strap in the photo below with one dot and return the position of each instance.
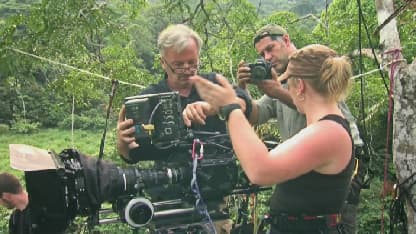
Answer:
(342, 121)
(287, 223)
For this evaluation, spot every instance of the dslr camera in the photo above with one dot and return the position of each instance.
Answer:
(260, 70)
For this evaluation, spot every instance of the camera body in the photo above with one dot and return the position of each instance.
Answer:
(260, 70)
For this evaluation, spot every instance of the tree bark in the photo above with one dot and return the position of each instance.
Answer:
(404, 115)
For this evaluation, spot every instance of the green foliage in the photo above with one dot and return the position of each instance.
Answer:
(23, 126)
(300, 7)
(84, 122)
(90, 119)
(370, 207)
(224, 41)
(87, 142)
(5, 112)
(117, 40)
(406, 24)
(340, 30)
(4, 128)
(268, 131)
(9, 8)
(79, 34)
(295, 28)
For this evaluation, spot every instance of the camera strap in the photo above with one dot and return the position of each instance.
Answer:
(199, 202)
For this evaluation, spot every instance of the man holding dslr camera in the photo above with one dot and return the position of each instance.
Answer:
(273, 44)
(179, 48)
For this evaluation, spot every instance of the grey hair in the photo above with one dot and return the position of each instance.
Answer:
(177, 36)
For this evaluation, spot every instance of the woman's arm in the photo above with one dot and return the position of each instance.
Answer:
(324, 146)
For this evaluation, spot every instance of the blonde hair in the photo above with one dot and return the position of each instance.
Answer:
(335, 79)
(323, 69)
(178, 37)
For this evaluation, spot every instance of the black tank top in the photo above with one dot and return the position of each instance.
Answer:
(314, 193)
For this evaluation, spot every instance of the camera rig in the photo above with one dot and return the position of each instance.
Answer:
(200, 174)
(80, 184)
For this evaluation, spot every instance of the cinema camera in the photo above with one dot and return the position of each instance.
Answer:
(260, 70)
(80, 184)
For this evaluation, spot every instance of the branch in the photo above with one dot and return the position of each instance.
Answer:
(366, 52)
(392, 16)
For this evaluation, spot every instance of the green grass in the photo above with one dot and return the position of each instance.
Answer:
(56, 139)
(87, 142)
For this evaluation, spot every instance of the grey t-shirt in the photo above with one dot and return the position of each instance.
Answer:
(290, 121)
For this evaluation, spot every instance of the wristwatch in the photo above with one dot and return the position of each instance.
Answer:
(224, 112)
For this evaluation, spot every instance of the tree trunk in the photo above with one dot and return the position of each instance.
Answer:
(404, 115)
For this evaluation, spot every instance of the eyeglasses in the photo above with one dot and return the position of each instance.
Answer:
(180, 68)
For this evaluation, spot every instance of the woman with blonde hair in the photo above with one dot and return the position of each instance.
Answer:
(312, 169)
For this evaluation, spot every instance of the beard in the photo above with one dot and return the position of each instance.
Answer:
(280, 68)
(184, 77)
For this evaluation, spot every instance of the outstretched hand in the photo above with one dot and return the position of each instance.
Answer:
(216, 95)
(197, 112)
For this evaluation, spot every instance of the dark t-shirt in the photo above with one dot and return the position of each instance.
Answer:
(164, 157)
(314, 193)
(213, 124)
(19, 222)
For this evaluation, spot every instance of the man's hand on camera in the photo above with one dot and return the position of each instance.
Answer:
(197, 112)
(125, 134)
(243, 75)
(271, 87)
(274, 89)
